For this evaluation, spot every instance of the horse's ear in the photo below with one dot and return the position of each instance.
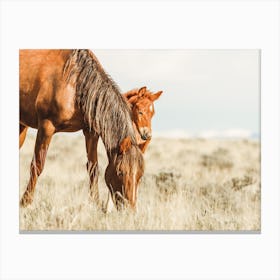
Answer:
(125, 145)
(155, 96)
(142, 91)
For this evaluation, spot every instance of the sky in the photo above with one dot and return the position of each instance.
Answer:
(205, 92)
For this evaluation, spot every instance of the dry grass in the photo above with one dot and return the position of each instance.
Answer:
(189, 184)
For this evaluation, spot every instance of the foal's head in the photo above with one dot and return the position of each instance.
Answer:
(141, 102)
(123, 173)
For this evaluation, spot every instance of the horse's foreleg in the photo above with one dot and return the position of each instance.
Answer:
(92, 164)
(144, 146)
(44, 135)
(22, 134)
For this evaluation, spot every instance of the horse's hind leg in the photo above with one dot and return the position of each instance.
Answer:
(22, 134)
(44, 135)
(92, 164)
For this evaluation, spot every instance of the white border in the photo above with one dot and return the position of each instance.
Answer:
(158, 24)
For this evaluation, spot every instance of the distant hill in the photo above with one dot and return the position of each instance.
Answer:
(214, 134)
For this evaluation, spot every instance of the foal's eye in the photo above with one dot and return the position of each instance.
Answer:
(140, 113)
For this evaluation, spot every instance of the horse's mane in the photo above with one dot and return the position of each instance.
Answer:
(105, 110)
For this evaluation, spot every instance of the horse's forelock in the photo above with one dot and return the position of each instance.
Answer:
(132, 158)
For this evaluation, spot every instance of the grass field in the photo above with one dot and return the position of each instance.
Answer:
(189, 184)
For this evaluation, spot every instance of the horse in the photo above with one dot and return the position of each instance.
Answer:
(141, 103)
(68, 91)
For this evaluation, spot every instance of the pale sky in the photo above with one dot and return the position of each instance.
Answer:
(203, 90)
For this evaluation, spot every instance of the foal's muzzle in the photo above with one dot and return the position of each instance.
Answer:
(145, 133)
(146, 137)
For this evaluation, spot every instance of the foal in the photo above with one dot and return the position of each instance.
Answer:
(141, 102)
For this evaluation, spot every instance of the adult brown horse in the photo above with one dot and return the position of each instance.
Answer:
(68, 90)
(142, 106)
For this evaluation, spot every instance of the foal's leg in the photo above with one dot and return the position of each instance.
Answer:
(22, 134)
(92, 164)
(44, 135)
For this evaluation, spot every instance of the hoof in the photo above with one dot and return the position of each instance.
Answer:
(26, 200)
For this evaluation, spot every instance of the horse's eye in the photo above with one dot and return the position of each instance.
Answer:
(140, 113)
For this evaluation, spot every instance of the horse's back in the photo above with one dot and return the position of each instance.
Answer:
(41, 74)
(37, 66)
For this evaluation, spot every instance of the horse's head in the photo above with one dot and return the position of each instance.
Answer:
(142, 105)
(123, 173)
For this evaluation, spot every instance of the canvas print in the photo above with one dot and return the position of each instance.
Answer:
(139, 140)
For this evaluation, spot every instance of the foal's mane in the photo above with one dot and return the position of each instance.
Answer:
(105, 110)
(132, 95)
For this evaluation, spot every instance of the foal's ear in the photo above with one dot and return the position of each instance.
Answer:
(142, 91)
(129, 94)
(125, 145)
(155, 96)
